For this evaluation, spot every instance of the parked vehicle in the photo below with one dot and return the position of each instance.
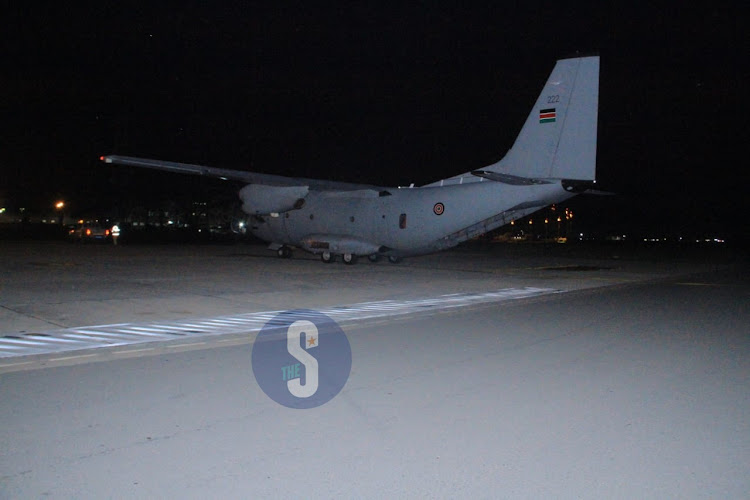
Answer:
(88, 231)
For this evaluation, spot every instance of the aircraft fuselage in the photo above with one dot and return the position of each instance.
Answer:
(406, 221)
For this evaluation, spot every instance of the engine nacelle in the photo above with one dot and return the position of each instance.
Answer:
(258, 199)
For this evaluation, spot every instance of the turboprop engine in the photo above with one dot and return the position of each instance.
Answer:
(259, 199)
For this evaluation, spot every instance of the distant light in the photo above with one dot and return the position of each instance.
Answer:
(59, 205)
(2, 210)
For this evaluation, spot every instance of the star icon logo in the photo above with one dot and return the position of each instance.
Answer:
(312, 342)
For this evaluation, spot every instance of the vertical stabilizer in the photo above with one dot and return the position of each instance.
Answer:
(558, 140)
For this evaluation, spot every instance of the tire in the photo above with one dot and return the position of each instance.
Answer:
(393, 259)
(373, 257)
(349, 258)
(327, 257)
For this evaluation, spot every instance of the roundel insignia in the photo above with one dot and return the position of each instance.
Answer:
(439, 208)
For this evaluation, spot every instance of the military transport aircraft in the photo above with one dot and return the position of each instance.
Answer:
(552, 159)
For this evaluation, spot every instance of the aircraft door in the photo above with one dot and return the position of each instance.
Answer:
(394, 224)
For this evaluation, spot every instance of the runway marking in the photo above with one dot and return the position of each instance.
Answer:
(18, 364)
(67, 358)
(119, 334)
(178, 346)
(688, 283)
(15, 340)
(130, 351)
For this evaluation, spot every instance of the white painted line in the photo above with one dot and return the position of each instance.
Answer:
(89, 331)
(153, 329)
(16, 364)
(20, 341)
(49, 338)
(67, 358)
(144, 334)
(129, 351)
(98, 337)
(178, 346)
(134, 333)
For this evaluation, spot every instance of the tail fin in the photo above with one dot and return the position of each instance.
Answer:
(558, 140)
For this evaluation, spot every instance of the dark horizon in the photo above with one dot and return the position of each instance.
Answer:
(365, 94)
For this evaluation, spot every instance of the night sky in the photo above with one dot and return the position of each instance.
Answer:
(371, 93)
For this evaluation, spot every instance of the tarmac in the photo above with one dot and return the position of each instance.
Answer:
(487, 371)
(49, 285)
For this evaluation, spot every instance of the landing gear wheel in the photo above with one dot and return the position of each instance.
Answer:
(327, 257)
(284, 252)
(393, 259)
(373, 257)
(349, 258)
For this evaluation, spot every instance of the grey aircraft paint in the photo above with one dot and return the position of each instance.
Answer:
(552, 159)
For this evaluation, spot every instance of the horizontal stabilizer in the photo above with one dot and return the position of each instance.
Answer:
(513, 180)
(583, 187)
(598, 192)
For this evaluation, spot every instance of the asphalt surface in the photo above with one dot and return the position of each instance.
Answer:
(629, 381)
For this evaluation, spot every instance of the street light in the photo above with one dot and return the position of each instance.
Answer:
(59, 207)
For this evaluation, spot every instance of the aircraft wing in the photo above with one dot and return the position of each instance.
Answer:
(237, 175)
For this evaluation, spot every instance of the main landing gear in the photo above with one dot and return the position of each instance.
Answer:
(285, 252)
(350, 258)
(347, 258)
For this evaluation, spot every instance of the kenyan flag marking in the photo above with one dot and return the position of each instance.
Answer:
(547, 115)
